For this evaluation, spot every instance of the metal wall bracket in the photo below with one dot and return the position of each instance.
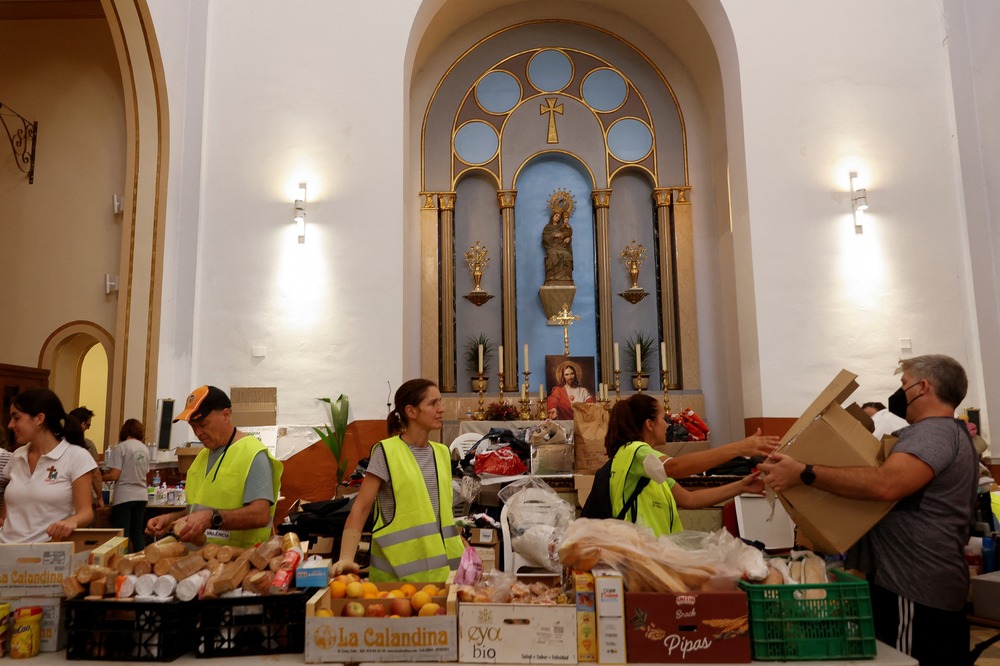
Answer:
(22, 134)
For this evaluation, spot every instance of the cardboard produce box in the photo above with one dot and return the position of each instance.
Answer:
(516, 634)
(330, 637)
(828, 434)
(53, 629)
(693, 627)
(586, 617)
(34, 569)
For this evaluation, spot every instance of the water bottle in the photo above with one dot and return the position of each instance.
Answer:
(989, 555)
(156, 479)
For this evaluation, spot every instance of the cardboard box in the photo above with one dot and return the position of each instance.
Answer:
(113, 547)
(828, 434)
(368, 639)
(552, 459)
(609, 593)
(490, 556)
(986, 595)
(695, 627)
(586, 616)
(487, 544)
(34, 569)
(53, 611)
(313, 573)
(87, 539)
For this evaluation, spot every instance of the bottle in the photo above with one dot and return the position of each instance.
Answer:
(989, 555)
(285, 574)
(156, 478)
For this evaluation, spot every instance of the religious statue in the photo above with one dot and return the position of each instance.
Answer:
(557, 240)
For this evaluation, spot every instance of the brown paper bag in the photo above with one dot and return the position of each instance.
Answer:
(590, 425)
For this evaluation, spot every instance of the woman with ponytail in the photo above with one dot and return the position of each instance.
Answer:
(49, 477)
(409, 484)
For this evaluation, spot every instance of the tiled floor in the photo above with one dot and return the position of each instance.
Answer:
(991, 656)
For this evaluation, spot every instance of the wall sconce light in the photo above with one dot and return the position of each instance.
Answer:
(300, 212)
(859, 202)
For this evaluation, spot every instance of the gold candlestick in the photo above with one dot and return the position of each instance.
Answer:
(480, 414)
(525, 413)
(664, 375)
(618, 384)
(501, 380)
(540, 414)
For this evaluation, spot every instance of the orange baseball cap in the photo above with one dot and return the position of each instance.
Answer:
(203, 400)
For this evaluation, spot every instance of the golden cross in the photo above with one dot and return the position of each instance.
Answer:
(550, 107)
(564, 318)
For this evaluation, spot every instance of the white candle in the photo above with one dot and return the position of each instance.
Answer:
(617, 367)
(480, 359)
(524, 392)
(541, 391)
(601, 391)
(525, 357)
(638, 360)
(500, 357)
(663, 356)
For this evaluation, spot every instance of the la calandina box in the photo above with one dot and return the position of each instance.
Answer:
(695, 627)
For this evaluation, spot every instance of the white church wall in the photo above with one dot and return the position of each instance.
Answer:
(826, 89)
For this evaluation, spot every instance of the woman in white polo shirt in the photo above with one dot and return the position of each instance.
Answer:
(49, 478)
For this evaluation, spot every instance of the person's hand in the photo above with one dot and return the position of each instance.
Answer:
(343, 567)
(781, 472)
(757, 445)
(158, 526)
(194, 525)
(99, 502)
(751, 484)
(553, 414)
(61, 529)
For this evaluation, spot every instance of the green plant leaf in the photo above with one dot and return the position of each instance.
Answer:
(333, 433)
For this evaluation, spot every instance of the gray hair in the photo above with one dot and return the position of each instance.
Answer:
(944, 373)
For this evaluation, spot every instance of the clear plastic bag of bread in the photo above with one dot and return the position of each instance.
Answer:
(684, 562)
(536, 520)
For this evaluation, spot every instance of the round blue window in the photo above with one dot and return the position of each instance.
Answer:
(604, 89)
(629, 140)
(476, 142)
(550, 70)
(498, 92)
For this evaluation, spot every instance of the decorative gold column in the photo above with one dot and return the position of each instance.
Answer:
(686, 370)
(668, 294)
(509, 298)
(602, 200)
(446, 203)
(430, 365)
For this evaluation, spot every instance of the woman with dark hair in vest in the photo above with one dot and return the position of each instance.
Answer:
(635, 427)
(49, 478)
(409, 484)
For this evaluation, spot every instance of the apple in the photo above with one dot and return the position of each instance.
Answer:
(428, 609)
(355, 590)
(401, 606)
(353, 609)
(375, 610)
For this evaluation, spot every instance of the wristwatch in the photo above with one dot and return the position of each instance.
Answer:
(808, 475)
(217, 518)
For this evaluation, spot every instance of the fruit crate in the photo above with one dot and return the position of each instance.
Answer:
(242, 626)
(785, 625)
(129, 630)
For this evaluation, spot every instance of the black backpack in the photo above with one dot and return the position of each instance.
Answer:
(598, 504)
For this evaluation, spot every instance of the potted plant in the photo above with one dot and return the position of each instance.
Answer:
(479, 380)
(333, 433)
(647, 346)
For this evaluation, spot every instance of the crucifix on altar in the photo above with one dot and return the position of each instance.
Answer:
(564, 318)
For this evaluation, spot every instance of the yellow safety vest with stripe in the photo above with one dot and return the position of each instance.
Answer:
(415, 546)
(222, 487)
(656, 506)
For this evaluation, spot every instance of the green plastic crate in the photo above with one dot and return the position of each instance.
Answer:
(786, 626)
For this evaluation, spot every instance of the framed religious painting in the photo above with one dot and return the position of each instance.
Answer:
(571, 379)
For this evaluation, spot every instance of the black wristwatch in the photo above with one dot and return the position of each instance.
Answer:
(808, 475)
(217, 518)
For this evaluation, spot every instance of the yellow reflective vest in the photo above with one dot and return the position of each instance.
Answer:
(656, 506)
(415, 546)
(222, 486)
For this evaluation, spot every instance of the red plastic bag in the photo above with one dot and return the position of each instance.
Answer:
(501, 462)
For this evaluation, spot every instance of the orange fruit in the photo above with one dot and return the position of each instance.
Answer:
(370, 588)
(355, 590)
(428, 609)
(324, 612)
(395, 594)
(338, 589)
(419, 599)
(430, 589)
(409, 589)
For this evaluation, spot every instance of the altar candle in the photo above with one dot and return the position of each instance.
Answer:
(663, 356)
(480, 359)
(524, 392)
(617, 368)
(600, 391)
(541, 391)
(638, 360)
(525, 357)
(500, 357)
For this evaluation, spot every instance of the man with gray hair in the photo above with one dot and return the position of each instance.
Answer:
(917, 572)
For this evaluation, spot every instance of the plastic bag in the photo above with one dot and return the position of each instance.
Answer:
(537, 519)
(501, 462)
(470, 568)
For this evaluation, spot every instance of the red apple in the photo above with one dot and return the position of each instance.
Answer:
(375, 610)
(353, 609)
(401, 607)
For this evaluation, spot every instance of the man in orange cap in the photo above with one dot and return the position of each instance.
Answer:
(232, 485)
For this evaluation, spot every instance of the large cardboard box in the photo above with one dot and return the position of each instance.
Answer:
(34, 569)
(986, 595)
(609, 589)
(695, 627)
(829, 434)
(516, 634)
(368, 639)
(53, 611)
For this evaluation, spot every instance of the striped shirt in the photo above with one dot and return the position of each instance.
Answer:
(378, 466)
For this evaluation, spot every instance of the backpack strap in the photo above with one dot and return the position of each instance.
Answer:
(632, 503)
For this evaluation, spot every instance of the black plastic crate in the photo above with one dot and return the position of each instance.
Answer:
(129, 630)
(252, 625)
